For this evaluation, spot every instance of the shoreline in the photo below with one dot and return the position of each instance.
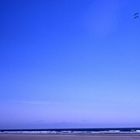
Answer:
(69, 136)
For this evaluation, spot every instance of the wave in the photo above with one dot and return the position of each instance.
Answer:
(71, 131)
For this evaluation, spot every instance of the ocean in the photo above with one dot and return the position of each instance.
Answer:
(73, 131)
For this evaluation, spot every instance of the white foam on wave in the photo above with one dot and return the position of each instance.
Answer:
(68, 132)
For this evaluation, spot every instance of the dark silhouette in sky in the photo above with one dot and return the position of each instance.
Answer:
(136, 15)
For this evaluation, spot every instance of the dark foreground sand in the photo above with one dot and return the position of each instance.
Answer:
(68, 137)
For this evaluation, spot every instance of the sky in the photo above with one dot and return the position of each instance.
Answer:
(69, 63)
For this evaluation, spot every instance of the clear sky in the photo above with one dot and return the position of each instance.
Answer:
(69, 63)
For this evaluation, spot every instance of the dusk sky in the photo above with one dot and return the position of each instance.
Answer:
(69, 63)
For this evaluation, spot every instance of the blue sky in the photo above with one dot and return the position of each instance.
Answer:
(67, 63)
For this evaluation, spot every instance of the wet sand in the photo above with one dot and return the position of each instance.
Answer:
(68, 137)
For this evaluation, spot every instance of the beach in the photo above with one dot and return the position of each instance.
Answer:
(69, 137)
